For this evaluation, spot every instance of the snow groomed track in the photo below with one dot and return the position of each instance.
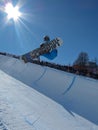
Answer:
(75, 93)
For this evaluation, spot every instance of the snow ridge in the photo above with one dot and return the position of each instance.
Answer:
(20, 102)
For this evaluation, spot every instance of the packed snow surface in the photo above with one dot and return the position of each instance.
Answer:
(24, 108)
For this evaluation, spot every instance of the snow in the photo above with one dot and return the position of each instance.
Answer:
(22, 107)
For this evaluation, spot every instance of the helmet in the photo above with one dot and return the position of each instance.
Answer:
(46, 38)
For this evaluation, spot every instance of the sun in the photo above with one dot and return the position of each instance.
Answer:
(12, 12)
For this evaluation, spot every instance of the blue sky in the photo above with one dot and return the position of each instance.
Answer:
(75, 21)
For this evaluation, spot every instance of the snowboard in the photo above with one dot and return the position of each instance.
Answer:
(42, 50)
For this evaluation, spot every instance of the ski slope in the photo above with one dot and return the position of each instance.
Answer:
(22, 107)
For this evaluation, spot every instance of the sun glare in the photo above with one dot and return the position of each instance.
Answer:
(12, 12)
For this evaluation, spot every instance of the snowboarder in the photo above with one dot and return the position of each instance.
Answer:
(47, 49)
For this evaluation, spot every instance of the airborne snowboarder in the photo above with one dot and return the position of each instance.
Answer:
(47, 49)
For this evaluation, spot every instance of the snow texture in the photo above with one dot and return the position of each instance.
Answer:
(24, 108)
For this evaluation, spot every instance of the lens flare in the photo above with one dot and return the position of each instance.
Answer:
(12, 12)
